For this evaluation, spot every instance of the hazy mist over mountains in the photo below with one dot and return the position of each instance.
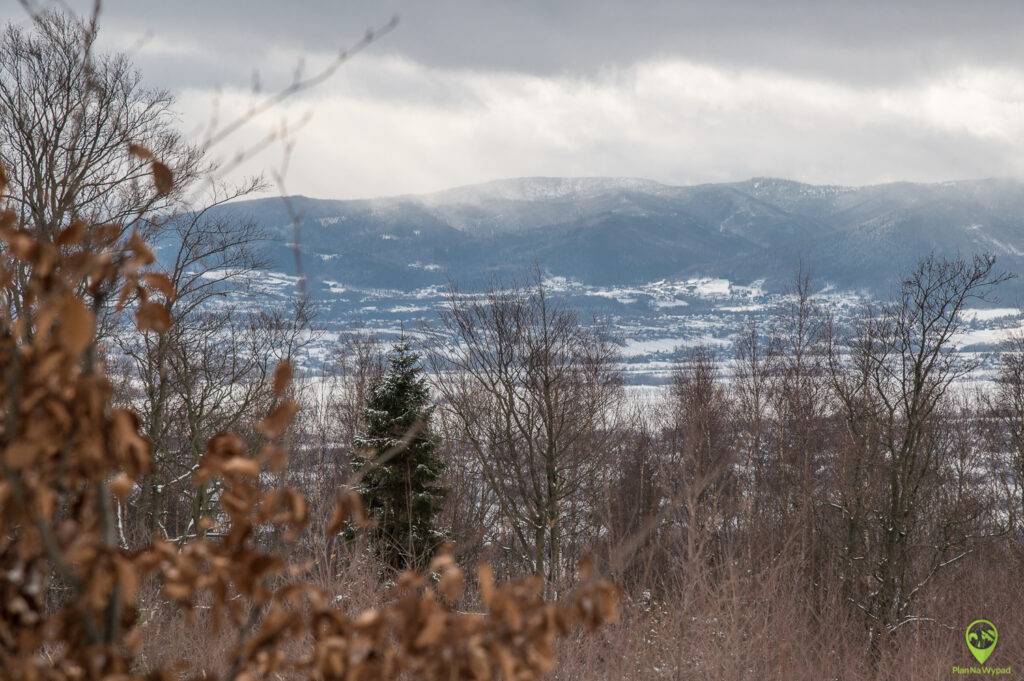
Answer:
(627, 231)
(662, 268)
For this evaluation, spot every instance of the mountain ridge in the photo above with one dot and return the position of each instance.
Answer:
(606, 230)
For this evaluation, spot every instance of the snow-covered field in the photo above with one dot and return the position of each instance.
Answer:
(654, 323)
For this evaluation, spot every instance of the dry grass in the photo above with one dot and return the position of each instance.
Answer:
(761, 627)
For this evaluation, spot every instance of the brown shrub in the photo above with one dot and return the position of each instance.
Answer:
(69, 595)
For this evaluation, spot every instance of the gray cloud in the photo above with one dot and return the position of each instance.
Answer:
(852, 92)
(866, 42)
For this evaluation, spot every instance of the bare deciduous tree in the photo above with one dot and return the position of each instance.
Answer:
(699, 474)
(800, 402)
(1007, 406)
(892, 381)
(529, 386)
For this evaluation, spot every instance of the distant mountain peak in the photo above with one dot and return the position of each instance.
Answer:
(541, 189)
(777, 187)
(626, 231)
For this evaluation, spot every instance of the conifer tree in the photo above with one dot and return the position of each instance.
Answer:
(400, 468)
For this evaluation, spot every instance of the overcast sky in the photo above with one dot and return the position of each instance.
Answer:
(680, 92)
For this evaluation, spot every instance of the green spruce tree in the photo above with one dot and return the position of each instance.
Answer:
(400, 468)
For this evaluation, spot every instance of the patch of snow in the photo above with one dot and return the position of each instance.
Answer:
(742, 308)
(557, 283)
(713, 287)
(986, 336)
(429, 267)
(620, 295)
(651, 346)
(981, 315)
(669, 303)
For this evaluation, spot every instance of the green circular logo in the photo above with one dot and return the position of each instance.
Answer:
(981, 637)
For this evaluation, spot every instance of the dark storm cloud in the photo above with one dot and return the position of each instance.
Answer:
(857, 42)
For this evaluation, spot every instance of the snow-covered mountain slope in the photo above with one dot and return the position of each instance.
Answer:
(628, 231)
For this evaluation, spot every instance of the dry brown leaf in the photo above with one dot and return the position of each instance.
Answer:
(106, 234)
(506, 662)
(71, 235)
(163, 179)
(433, 630)
(133, 640)
(585, 568)
(177, 591)
(369, 619)
(485, 577)
(143, 254)
(240, 465)
(21, 244)
(479, 664)
(274, 457)
(299, 507)
(443, 560)
(127, 579)
(140, 152)
(349, 505)
(131, 448)
(279, 419)
(153, 316)
(21, 454)
(121, 486)
(158, 281)
(339, 517)
(77, 325)
(125, 294)
(452, 584)
(282, 378)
